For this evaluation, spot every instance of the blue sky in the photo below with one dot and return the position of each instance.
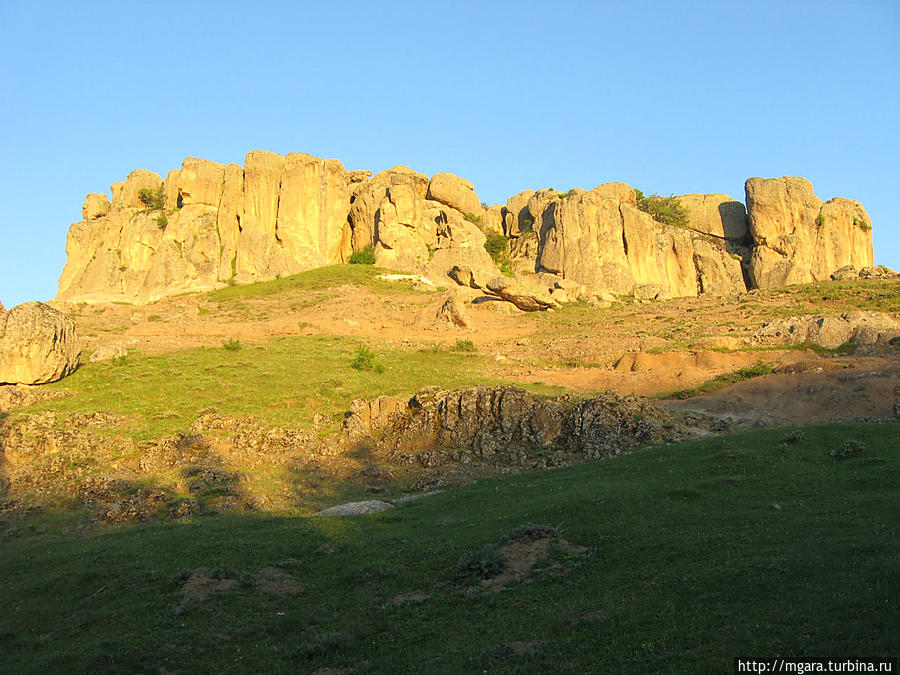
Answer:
(671, 97)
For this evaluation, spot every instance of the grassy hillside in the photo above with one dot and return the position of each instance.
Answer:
(695, 554)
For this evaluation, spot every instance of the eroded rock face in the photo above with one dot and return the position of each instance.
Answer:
(717, 215)
(276, 216)
(799, 239)
(37, 345)
(600, 239)
(280, 215)
(511, 427)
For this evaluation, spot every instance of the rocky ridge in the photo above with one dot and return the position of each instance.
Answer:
(207, 225)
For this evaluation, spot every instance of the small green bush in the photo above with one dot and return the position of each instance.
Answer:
(861, 223)
(364, 257)
(472, 218)
(232, 345)
(365, 359)
(482, 563)
(465, 346)
(152, 199)
(162, 222)
(820, 220)
(154, 317)
(666, 210)
(849, 449)
(497, 246)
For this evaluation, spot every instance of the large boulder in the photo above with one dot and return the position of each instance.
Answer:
(455, 192)
(799, 239)
(37, 344)
(96, 205)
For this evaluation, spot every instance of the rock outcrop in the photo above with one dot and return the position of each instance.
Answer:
(207, 225)
(276, 216)
(799, 239)
(37, 344)
(858, 328)
(508, 427)
(600, 239)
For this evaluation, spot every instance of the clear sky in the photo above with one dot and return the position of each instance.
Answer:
(671, 97)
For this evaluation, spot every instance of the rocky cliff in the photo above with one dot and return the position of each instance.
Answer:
(207, 225)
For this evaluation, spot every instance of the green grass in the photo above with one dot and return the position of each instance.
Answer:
(724, 380)
(689, 565)
(283, 381)
(314, 281)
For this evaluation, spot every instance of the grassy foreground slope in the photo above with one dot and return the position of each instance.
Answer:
(696, 554)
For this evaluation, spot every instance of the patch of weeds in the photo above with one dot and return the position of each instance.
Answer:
(482, 563)
(365, 359)
(464, 346)
(758, 369)
(162, 222)
(849, 449)
(532, 532)
(232, 345)
(846, 348)
(154, 317)
(795, 437)
(364, 257)
(472, 218)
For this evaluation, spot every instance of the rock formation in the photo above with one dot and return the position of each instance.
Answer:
(600, 239)
(37, 345)
(799, 239)
(276, 216)
(207, 225)
(507, 426)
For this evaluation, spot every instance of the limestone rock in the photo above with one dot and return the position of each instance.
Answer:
(259, 256)
(845, 273)
(538, 204)
(517, 219)
(525, 298)
(830, 331)
(356, 508)
(455, 192)
(37, 344)
(126, 195)
(200, 182)
(877, 272)
(618, 192)
(314, 202)
(717, 215)
(798, 238)
(95, 206)
(453, 312)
